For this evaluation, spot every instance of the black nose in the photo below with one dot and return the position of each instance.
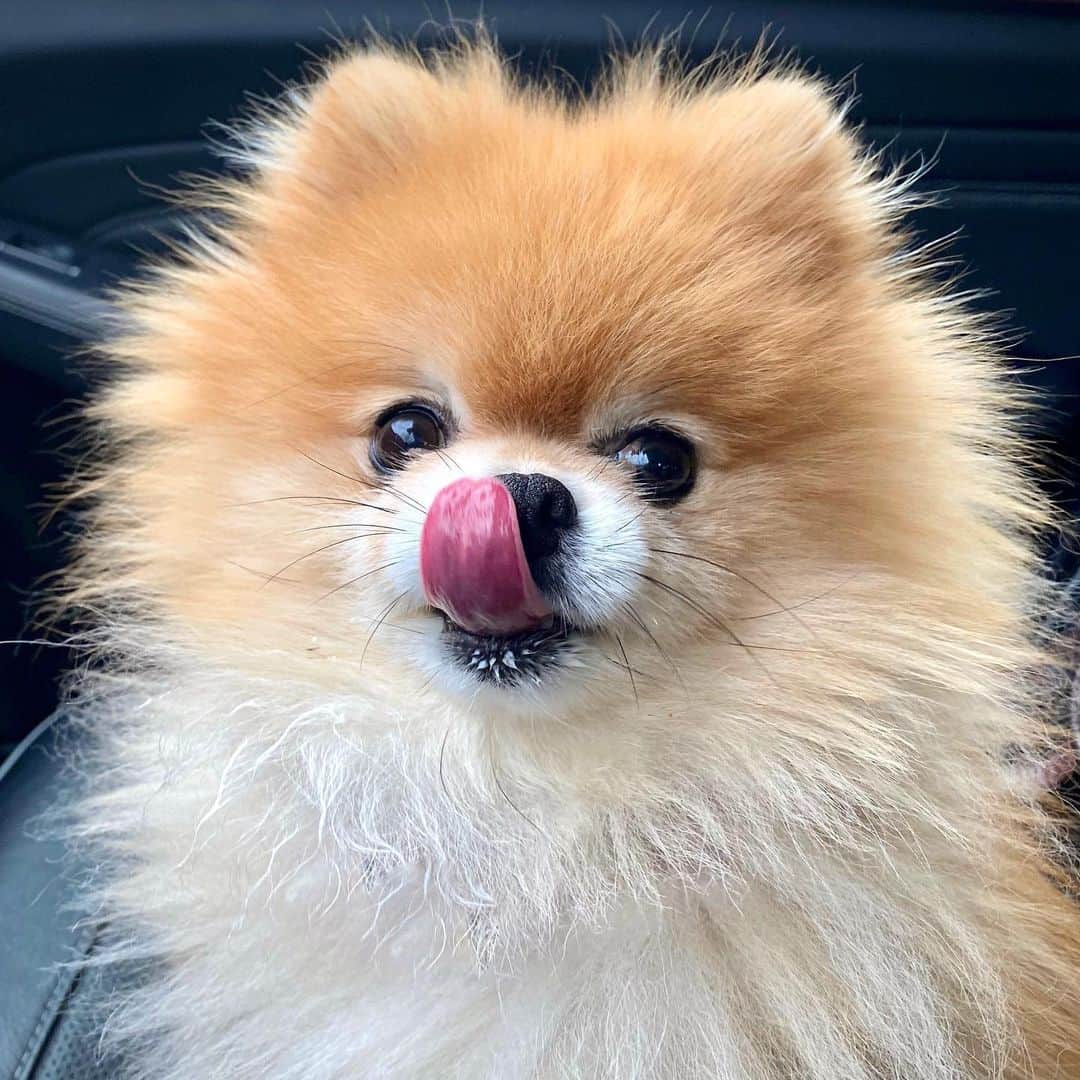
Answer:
(546, 512)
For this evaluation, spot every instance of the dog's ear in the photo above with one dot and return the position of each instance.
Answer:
(782, 159)
(369, 114)
(360, 120)
(790, 119)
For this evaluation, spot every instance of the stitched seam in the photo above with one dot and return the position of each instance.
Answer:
(49, 1013)
(52, 1008)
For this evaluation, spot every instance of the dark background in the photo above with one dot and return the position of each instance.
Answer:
(103, 102)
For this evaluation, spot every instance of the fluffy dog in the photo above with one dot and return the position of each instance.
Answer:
(566, 588)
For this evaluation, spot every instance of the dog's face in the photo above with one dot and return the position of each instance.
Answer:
(495, 404)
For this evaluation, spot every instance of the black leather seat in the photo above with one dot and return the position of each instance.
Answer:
(50, 1009)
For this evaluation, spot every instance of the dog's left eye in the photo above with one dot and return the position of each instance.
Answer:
(402, 430)
(663, 463)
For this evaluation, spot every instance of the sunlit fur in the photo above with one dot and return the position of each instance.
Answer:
(773, 822)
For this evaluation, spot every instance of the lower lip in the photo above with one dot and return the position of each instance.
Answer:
(511, 660)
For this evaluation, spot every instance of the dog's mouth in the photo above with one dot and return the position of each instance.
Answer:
(499, 626)
(510, 660)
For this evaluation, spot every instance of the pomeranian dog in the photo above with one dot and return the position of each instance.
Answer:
(566, 587)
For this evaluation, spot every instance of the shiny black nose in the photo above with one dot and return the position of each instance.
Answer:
(546, 513)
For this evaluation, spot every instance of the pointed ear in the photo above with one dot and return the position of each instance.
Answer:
(362, 119)
(371, 111)
(788, 161)
(794, 118)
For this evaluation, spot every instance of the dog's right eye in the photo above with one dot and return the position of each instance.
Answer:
(403, 430)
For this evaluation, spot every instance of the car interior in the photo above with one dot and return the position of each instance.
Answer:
(109, 105)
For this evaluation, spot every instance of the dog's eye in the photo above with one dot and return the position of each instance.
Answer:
(403, 429)
(663, 463)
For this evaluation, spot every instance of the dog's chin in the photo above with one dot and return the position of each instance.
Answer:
(506, 662)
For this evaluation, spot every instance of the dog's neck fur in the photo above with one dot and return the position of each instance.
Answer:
(731, 924)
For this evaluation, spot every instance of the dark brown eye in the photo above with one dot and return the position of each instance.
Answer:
(663, 463)
(402, 430)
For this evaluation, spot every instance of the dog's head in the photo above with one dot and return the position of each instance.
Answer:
(596, 414)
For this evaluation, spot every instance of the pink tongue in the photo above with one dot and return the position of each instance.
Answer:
(472, 564)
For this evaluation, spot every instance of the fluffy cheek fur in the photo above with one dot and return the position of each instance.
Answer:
(762, 825)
